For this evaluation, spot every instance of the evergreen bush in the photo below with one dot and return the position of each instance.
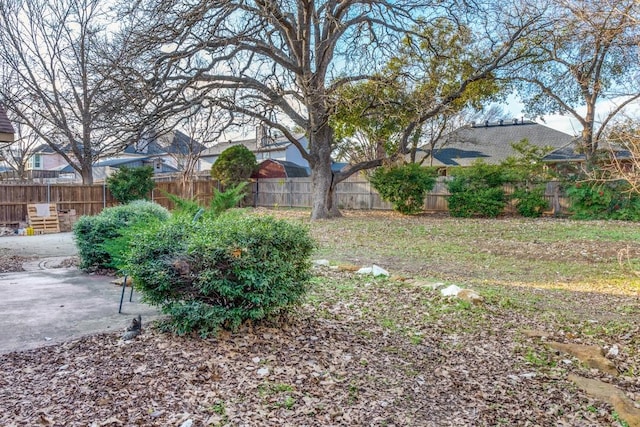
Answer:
(234, 165)
(611, 200)
(477, 191)
(218, 272)
(531, 203)
(99, 238)
(405, 186)
(129, 184)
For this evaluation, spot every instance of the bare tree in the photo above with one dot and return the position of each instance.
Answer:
(264, 59)
(621, 160)
(55, 79)
(589, 55)
(18, 153)
(202, 127)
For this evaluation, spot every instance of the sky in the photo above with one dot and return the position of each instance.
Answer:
(565, 123)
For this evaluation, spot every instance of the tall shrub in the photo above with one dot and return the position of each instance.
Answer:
(477, 191)
(234, 165)
(405, 186)
(128, 184)
(221, 271)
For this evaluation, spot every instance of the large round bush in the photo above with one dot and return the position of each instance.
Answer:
(97, 237)
(218, 272)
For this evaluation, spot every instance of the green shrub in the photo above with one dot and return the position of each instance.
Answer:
(101, 239)
(611, 200)
(129, 184)
(531, 203)
(234, 165)
(477, 191)
(404, 186)
(219, 272)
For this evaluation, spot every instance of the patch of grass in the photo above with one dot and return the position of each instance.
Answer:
(616, 417)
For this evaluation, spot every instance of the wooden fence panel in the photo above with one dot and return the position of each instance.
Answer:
(85, 199)
(353, 193)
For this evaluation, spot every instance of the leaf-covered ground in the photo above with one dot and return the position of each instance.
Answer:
(365, 351)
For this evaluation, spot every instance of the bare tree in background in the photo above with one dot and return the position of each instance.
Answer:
(203, 127)
(589, 55)
(55, 78)
(17, 154)
(622, 156)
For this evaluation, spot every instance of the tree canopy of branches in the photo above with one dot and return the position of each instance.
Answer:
(268, 59)
(416, 95)
(16, 154)
(55, 79)
(588, 55)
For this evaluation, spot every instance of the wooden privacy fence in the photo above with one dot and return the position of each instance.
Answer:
(353, 193)
(357, 193)
(86, 199)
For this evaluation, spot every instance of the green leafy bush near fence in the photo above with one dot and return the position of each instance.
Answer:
(477, 191)
(101, 239)
(404, 186)
(218, 272)
(129, 184)
(611, 200)
(530, 203)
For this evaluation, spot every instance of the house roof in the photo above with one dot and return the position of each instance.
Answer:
(293, 170)
(491, 142)
(280, 143)
(173, 142)
(568, 153)
(122, 161)
(5, 125)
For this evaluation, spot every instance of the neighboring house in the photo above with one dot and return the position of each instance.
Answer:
(45, 163)
(490, 142)
(6, 129)
(174, 148)
(166, 153)
(104, 168)
(280, 149)
(280, 169)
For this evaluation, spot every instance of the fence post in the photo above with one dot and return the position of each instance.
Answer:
(104, 195)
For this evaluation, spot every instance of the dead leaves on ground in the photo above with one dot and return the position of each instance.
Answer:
(361, 352)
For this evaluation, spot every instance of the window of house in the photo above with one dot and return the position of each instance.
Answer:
(35, 162)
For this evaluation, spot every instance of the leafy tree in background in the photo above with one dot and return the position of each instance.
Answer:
(129, 184)
(234, 165)
(281, 63)
(413, 95)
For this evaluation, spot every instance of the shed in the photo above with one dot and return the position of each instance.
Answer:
(280, 169)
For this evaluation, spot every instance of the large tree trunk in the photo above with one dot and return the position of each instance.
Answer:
(87, 174)
(324, 199)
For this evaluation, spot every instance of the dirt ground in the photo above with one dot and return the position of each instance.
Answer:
(360, 352)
